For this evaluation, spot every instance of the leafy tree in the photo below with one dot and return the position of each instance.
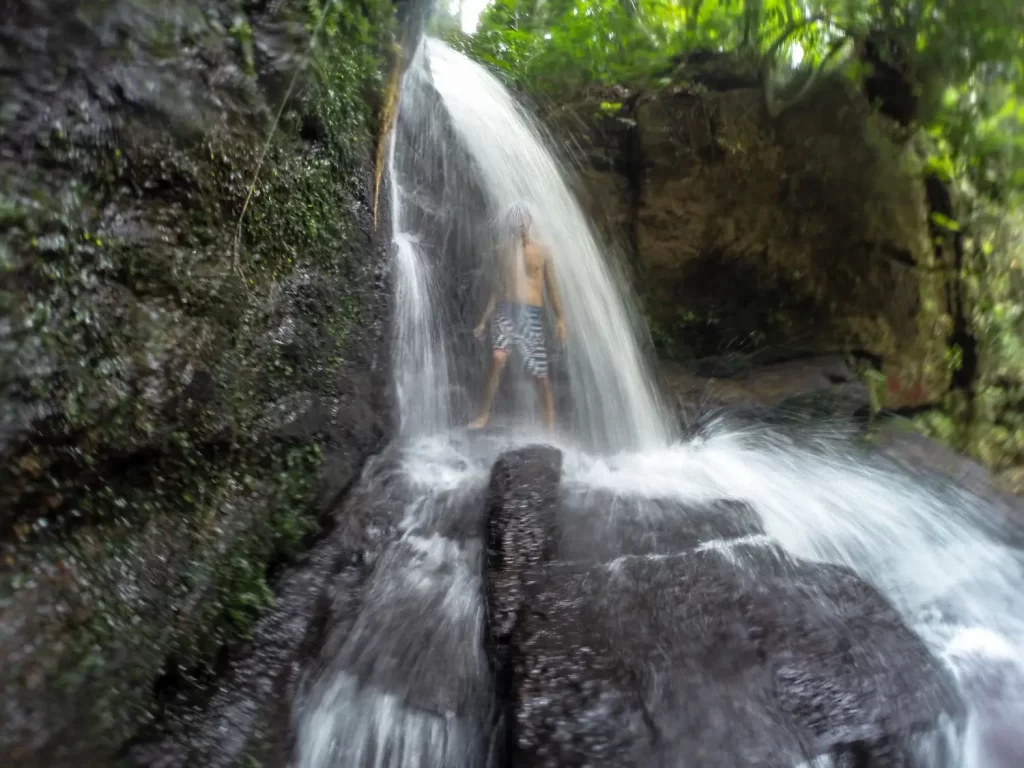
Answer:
(960, 62)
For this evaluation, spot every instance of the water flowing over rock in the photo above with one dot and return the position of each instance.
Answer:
(727, 651)
(450, 114)
(402, 678)
(823, 388)
(763, 592)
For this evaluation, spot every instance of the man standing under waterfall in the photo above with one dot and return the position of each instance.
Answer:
(515, 308)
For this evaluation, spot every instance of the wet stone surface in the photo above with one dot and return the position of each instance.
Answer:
(726, 650)
(399, 676)
(249, 714)
(521, 502)
(598, 526)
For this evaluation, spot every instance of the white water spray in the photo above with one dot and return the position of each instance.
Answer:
(936, 551)
(613, 401)
(420, 341)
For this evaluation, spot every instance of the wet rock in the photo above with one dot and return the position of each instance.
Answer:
(412, 575)
(185, 392)
(682, 630)
(248, 713)
(819, 387)
(521, 503)
(899, 440)
(732, 656)
(941, 466)
(417, 668)
(401, 669)
(791, 236)
(599, 526)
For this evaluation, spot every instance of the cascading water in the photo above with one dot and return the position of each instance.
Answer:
(614, 404)
(407, 684)
(421, 357)
(937, 552)
(459, 133)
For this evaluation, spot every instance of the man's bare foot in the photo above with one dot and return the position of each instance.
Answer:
(479, 422)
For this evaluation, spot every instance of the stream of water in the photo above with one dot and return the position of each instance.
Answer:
(410, 686)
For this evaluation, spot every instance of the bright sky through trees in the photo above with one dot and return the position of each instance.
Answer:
(468, 12)
(960, 63)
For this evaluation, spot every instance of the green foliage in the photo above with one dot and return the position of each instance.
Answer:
(348, 55)
(242, 31)
(964, 59)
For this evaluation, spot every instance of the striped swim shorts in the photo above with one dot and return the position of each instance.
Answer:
(522, 325)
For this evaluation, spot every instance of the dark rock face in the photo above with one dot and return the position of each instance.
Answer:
(248, 716)
(1003, 510)
(599, 526)
(185, 390)
(711, 643)
(817, 387)
(783, 237)
(248, 713)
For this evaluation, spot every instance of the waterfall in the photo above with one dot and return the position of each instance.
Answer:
(421, 342)
(486, 146)
(403, 680)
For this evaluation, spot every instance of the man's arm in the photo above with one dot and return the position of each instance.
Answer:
(549, 279)
(556, 298)
(488, 310)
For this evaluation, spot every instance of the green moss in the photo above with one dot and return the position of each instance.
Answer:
(940, 426)
(874, 381)
(242, 32)
(989, 424)
(178, 540)
(678, 332)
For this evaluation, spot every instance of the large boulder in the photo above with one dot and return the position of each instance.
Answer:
(192, 327)
(726, 650)
(806, 233)
(521, 502)
(739, 657)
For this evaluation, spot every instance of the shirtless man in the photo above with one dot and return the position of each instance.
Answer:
(516, 303)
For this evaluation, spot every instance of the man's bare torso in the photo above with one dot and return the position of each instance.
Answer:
(524, 279)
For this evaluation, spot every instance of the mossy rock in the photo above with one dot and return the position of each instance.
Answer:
(777, 237)
(183, 388)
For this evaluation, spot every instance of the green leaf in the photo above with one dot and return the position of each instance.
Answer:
(941, 220)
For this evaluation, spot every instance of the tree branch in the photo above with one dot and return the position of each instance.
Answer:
(691, 21)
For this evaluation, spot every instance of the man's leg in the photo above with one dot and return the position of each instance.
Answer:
(490, 389)
(547, 400)
(536, 355)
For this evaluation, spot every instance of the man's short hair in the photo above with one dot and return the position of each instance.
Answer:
(517, 220)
